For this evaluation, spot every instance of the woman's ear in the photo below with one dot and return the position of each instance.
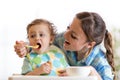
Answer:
(91, 44)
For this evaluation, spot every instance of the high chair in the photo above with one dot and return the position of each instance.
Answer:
(22, 77)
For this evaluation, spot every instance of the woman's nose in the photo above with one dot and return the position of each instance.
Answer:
(66, 34)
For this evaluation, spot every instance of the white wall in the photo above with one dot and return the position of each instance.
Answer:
(16, 14)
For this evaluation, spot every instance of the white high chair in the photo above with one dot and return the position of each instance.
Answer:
(22, 77)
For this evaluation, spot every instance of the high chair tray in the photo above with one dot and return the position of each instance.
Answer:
(51, 78)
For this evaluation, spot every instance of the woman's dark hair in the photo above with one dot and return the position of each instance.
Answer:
(95, 29)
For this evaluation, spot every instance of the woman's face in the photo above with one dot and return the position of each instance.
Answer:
(75, 38)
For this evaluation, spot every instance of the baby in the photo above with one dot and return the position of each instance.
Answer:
(43, 58)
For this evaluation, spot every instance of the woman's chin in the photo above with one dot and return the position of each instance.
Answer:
(66, 47)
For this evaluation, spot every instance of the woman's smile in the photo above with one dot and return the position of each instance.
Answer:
(66, 43)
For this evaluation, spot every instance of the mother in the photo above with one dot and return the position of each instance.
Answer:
(82, 45)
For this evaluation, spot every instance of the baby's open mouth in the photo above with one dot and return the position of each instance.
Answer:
(39, 45)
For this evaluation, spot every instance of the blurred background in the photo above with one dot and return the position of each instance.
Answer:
(16, 14)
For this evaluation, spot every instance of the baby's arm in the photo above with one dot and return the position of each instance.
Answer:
(43, 69)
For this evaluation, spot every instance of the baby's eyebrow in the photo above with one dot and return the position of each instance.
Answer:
(31, 31)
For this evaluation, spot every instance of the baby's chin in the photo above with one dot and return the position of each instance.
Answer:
(38, 51)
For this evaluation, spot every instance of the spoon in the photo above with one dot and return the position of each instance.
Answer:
(36, 46)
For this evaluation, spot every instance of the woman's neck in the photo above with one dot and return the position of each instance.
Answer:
(82, 54)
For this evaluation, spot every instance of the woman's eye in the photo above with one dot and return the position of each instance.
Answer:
(73, 36)
(68, 27)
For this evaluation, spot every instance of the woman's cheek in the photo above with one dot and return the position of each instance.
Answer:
(76, 46)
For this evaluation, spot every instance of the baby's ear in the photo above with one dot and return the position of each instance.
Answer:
(91, 44)
(52, 39)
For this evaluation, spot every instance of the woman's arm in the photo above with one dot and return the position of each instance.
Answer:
(59, 39)
(94, 72)
(102, 67)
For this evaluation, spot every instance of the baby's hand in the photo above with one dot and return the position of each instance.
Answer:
(45, 68)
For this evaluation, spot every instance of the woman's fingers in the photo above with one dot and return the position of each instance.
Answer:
(20, 48)
(62, 73)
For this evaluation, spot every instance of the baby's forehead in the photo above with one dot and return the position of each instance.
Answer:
(39, 29)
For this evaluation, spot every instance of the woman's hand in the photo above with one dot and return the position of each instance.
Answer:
(20, 48)
(94, 72)
(62, 73)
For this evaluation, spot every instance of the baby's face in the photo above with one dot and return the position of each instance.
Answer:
(39, 34)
